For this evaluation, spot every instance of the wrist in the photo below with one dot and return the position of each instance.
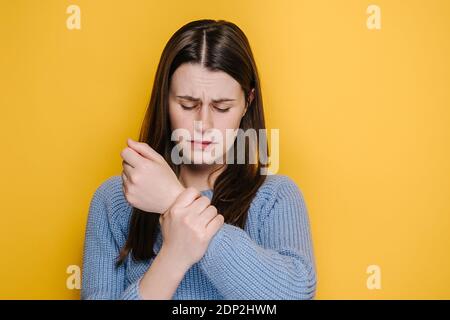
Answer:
(178, 190)
(173, 262)
(174, 194)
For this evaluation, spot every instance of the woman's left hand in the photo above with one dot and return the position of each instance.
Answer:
(149, 183)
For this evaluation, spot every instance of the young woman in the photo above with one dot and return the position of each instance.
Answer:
(201, 229)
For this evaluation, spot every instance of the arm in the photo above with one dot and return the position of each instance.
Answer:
(103, 280)
(280, 267)
(162, 278)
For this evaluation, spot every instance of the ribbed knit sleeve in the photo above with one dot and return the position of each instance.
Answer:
(279, 264)
(271, 259)
(101, 279)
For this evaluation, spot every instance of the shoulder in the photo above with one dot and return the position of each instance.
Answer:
(110, 205)
(278, 185)
(278, 190)
(276, 182)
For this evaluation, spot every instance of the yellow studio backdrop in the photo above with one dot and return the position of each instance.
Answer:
(363, 114)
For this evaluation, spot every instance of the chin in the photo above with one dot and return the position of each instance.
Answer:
(202, 158)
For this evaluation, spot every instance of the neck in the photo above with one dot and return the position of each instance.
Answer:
(196, 176)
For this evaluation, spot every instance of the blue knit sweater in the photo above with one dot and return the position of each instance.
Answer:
(271, 259)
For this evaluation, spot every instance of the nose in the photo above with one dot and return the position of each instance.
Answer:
(205, 116)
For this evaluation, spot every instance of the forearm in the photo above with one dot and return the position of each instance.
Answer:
(162, 278)
(242, 269)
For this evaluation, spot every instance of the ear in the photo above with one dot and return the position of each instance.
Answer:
(251, 96)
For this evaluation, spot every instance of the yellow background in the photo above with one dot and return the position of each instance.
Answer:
(363, 118)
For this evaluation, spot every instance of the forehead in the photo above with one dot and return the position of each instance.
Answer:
(197, 81)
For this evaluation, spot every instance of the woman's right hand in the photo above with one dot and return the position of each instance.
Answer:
(188, 226)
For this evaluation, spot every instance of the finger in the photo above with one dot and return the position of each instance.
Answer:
(124, 177)
(185, 198)
(199, 204)
(144, 149)
(214, 225)
(127, 169)
(207, 215)
(130, 156)
(124, 187)
(125, 163)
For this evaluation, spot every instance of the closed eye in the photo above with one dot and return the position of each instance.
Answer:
(222, 109)
(186, 107)
(193, 107)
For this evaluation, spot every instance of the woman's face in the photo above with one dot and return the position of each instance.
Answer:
(205, 104)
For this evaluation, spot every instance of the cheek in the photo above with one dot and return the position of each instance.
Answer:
(228, 121)
(178, 119)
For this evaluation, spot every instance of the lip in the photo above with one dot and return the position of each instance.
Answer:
(201, 144)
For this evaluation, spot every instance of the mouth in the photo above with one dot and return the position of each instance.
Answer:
(201, 143)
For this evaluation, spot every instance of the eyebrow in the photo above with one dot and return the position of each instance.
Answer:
(190, 98)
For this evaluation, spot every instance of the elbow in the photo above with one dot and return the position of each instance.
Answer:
(305, 284)
(299, 282)
(308, 292)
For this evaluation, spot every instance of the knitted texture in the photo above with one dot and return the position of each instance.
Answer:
(272, 258)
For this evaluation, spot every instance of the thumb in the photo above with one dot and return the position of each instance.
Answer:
(144, 149)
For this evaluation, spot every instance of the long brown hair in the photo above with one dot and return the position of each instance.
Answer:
(218, 46)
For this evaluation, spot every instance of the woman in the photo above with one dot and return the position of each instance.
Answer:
(202, 227)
